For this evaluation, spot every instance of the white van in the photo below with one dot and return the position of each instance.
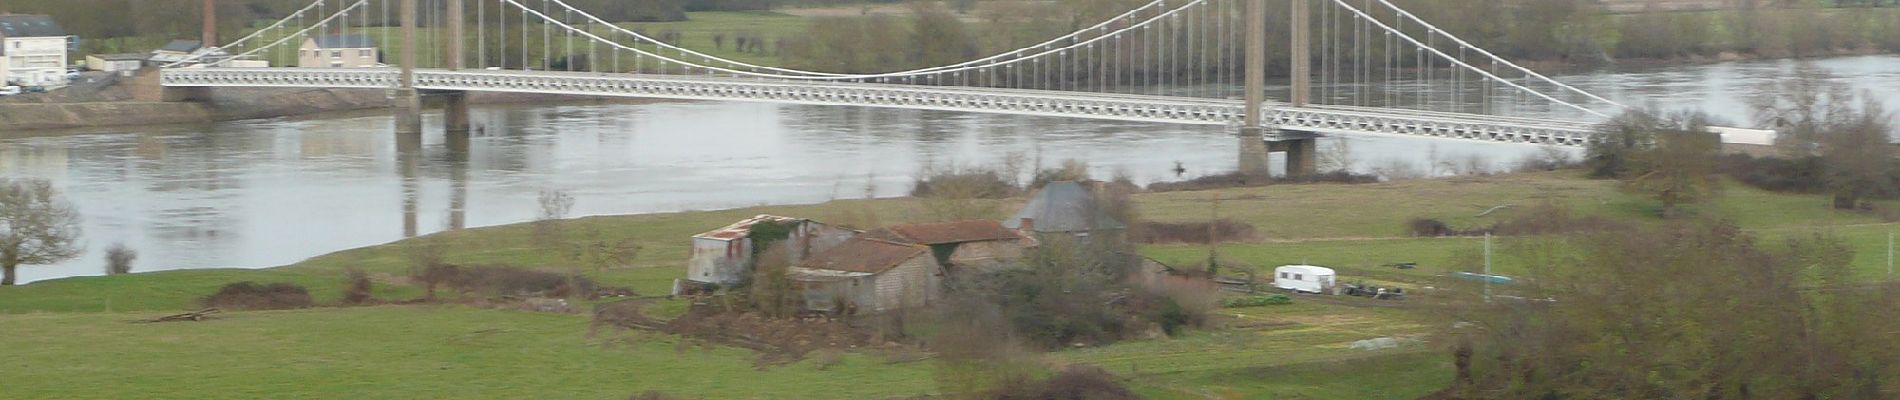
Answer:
(9, 90)
(1304, 278)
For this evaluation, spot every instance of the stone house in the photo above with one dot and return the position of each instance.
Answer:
(1064, 208)
(868, 275)
(724, 257)
(338, 51)
(978, 245)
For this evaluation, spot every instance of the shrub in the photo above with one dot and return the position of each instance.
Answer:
(356, 288)
(1224, 230)
(1257, 301)
(252, 296)
(505, 281)
(1237, 179)
(1428, 227)
(119, 259)
(965, 184)
(1074, 382)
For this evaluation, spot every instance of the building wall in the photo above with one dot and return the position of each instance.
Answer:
(987, 256)
(813, 237)
(309, 56)
(915, 283)
(36, 61)
(721, 262)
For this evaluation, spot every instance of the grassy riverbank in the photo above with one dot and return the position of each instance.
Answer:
(72, 338)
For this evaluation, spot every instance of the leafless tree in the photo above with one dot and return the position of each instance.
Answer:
(555, 205)
(37, 226)
(119, 259)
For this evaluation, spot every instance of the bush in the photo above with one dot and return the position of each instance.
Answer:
(1237, 179)
(1074, 382)
(965, 184)
(252, 296)
(356, 287)
(1428, 227)
(1257, 301)
(119, 259)
(505, 281)
(1775, 174)
(1224, 230)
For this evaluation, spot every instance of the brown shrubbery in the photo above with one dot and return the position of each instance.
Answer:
(1236, 179)
(252, 296)
(1224, 230)
(1544, 219)
(1074, 382)
(356, 288)
(504, 281)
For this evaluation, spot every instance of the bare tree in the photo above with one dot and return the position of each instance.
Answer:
(1337, 157)
(1676, 163)
(1799, 109)
(119, 259)
(554, 207)
(37, 226)
(1858, 156)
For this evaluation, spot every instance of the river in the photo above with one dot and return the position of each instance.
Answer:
(264, 193)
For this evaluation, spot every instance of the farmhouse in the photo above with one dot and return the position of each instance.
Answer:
(724, 256)
(978, 245)
(868, 275)
(121, 64)
(1064, 209)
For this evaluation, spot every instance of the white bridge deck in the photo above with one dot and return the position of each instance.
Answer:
(1181, 110)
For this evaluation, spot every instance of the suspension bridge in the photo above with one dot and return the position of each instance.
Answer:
(1354, 67)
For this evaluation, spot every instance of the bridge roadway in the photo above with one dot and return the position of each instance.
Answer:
(1109, 106)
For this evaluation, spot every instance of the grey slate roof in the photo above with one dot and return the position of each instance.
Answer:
(344, 42)
(21, 25)
(1064, 207)
(182, 46)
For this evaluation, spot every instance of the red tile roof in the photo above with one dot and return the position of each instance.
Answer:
(739, 230)
(946, 233)
(866, 255)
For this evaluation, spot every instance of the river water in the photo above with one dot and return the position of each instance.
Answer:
(264, 193)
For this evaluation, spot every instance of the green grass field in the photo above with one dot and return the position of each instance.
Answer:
(71, 338)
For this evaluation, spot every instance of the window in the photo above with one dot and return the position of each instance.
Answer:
(363, 53)
(336, 53)
(1299, 277)
(1284, 275)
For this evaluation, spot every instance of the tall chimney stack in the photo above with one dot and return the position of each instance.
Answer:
(210, 37)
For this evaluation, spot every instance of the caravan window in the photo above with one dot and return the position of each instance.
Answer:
(1299, 277)
(1284, 275)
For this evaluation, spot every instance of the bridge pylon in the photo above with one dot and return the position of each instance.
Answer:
(407, 102)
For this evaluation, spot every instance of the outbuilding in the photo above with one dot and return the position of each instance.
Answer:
(974, 245)
(724, 256)
(867, 275)
(123, 64)
(1304, 278)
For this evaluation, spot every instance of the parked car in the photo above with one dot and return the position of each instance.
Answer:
(9, 90)
(1304, 278)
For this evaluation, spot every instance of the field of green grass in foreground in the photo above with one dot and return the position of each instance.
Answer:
(71, 338)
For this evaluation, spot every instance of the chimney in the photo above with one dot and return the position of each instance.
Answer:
(210, 23)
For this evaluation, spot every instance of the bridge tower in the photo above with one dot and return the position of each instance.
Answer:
(455, 112)
(407, 101)
(1301, 148)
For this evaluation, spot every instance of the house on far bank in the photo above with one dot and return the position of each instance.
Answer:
(1064, 208)
(339, 51)
(724, 257)
(124, 64)
(32, 51)
(868, 275)
(174, 51)
(978, 245)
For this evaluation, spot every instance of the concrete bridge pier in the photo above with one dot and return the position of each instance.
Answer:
(407, 105)
(1253, 152)
(1301, 148)
(455, 112)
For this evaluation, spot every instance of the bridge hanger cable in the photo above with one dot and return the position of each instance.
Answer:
(260, 32)
(1415, 42)
(859, 77)
(1494, 58)
(738, 64)
(306, 30)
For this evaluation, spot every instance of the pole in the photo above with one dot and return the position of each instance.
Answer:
(408, 44)
(1256, 61)
(1487, 267)
(210, 29)
(455, 35)
(1302, 62)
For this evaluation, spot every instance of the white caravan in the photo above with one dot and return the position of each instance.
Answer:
(1304, 278)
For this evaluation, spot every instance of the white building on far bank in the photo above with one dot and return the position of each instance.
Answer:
(32, 51)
